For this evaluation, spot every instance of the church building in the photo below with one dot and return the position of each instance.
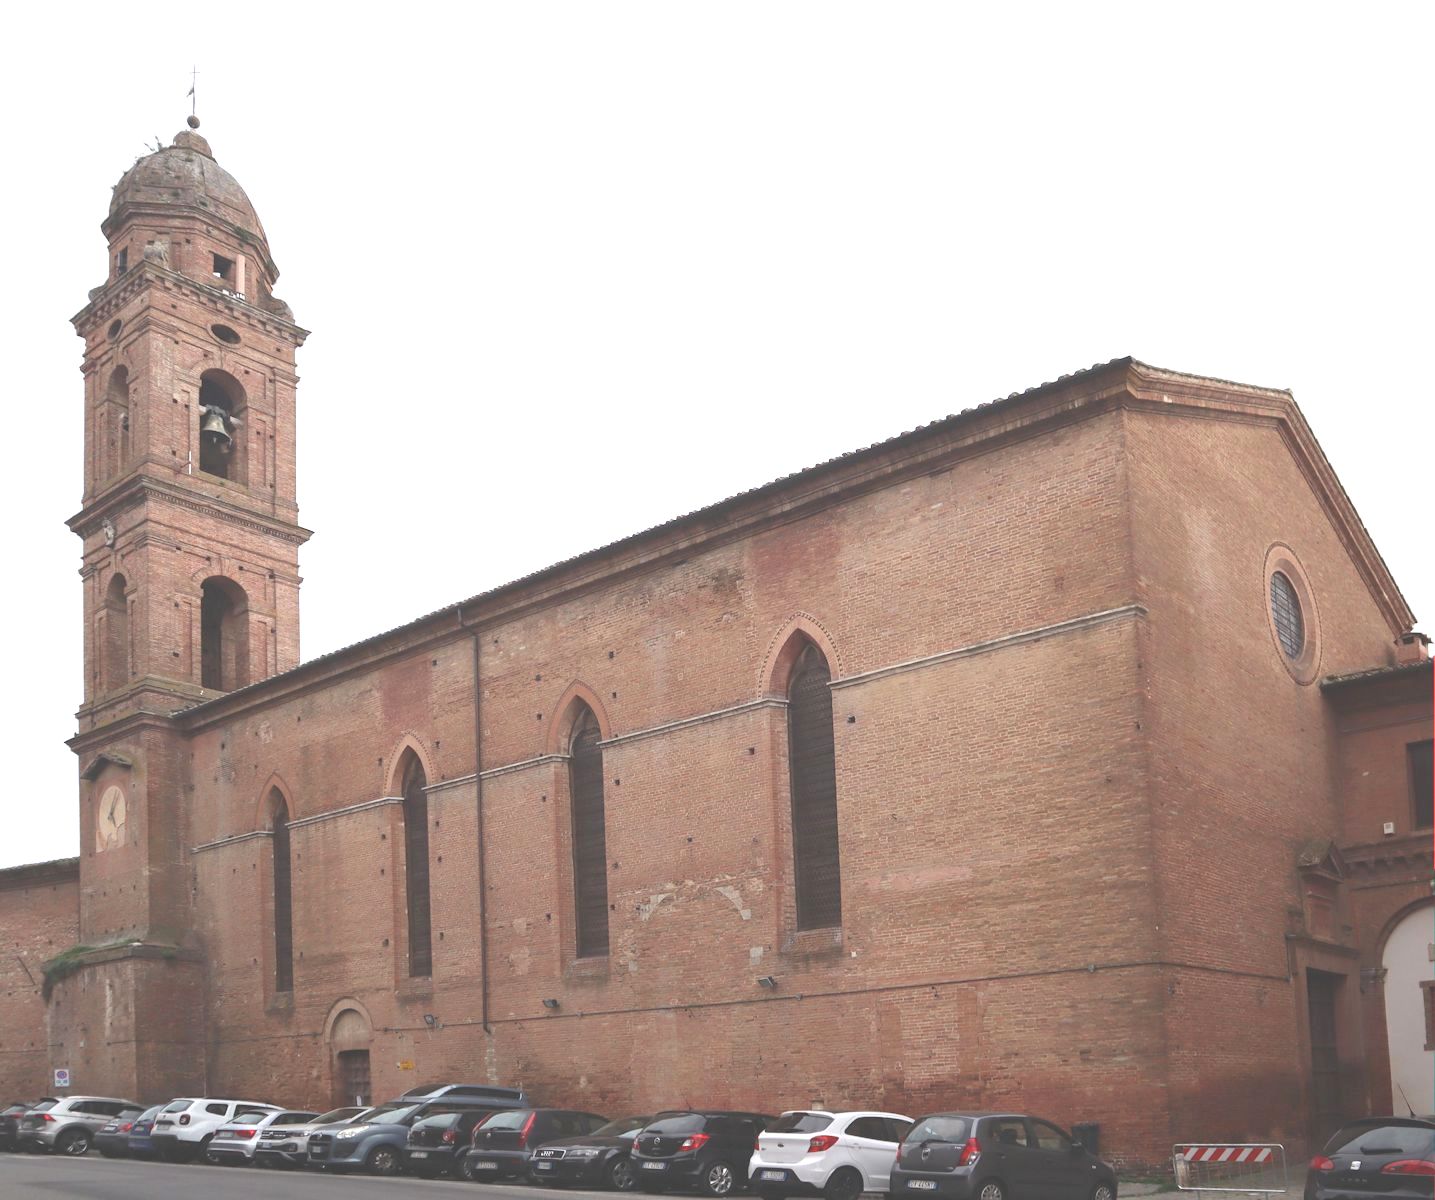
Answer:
(1071, 753)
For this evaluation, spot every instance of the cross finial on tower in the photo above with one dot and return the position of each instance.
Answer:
(193, 99)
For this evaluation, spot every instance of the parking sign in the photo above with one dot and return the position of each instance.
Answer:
(62, 1077)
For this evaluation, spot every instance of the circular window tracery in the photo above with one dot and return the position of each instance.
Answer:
(1292, 614)
(1285, 612)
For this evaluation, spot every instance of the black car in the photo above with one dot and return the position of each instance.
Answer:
(602, 1158)
(990, 1156)
(10, 1122)
(503, 1143)
(1392, 1158)
(709, 1150)
(113, 1139)
(437, 1144)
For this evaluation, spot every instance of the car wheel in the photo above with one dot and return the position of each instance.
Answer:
(465, 1168)
(845, 1183)
(719, 1179)
(620, 1174)
(75, 1142)
(383, 1160)
(1103, 1191)
(992, 1190)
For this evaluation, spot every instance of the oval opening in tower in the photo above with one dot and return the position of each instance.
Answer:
(114, 330)
(225, 334)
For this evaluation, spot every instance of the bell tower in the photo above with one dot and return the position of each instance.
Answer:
(190, 524)
(190, 536)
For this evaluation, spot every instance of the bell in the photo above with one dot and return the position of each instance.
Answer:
(212, 429)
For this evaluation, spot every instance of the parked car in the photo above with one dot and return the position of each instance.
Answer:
(69, 1125)
(706, 1149)
(437, 1144)
(283, 1145)
(602, 1158)
(838, 1155)
(10, 1122)
(376, 1142)
(234, 1143)
(113, 1140)
(1392, 1158)
(991, 1156)
(139, 1142)
(184, 1127)
(491, 1094)
(503, 1143)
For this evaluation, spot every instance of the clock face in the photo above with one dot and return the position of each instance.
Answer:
(110, 818)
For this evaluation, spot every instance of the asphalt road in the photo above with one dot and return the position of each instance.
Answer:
(49, 1177)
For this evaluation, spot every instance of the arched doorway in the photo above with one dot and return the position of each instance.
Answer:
(1410, 1011)
(349, 1037)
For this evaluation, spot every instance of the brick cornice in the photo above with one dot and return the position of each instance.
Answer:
(138, 489)
(59, 870)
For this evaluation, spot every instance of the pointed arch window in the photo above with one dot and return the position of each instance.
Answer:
(590, 852)
(283, 899)
(812, 764)
(416, 868)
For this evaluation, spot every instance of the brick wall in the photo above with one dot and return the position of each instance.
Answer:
(39, 906)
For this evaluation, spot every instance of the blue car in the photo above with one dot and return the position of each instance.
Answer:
(140, 1143)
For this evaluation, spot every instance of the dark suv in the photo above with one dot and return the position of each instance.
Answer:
(990, 1156)
(504, 1142)
(708, 1150)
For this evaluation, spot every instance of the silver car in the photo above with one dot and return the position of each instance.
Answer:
(234, 1144)
(69, 1125)
(284, 1145)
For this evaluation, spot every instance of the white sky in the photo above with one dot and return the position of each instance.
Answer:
(573, 269)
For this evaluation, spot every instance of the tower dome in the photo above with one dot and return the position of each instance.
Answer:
(185, 175)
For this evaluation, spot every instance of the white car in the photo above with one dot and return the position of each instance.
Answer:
(233, 1144)
(838, 1155)
(185, 1127)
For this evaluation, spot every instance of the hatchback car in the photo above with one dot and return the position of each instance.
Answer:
(990, 1156)
(139, 1142)
(113, 1139)
(602, 1158)
(1392, 1158)
(504, 1141)
(233, 1144)
(437, 1144)
(840, 1155)
(708, 1150)
(10, 1121)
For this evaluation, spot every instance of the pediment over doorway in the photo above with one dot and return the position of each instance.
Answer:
(1321, 857)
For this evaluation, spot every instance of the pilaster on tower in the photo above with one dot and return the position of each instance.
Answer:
(189, 519)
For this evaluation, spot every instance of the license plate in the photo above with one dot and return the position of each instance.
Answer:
(545, 1166)
(485, 1166)
(654, 1166)
(418, 1153)
(772, 1174)
(926, 1185)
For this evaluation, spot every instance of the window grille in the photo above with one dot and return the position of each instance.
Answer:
(590, 852)
(1285, 610)
(812, 762)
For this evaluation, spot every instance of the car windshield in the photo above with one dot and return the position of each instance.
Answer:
(177, 1105)
(1369, 1138)
(939, 1129)
(150, 1114)
(799, 1122)
(44, 1106)
(249, 1117)
(512, 1119)
(334, 1115)
(388, 1114)
(676, 1123)
(623, 1127)
(442, 1121)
